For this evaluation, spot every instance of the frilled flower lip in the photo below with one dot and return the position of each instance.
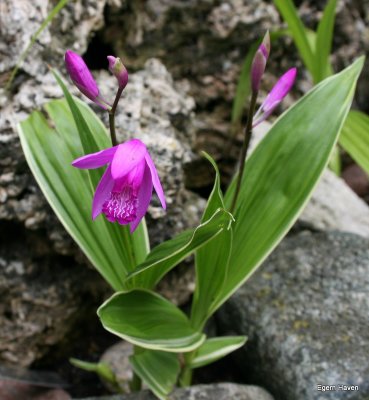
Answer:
(131, 175)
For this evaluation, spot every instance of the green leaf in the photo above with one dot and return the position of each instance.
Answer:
(215, 348)
(243, 86)
(211, 260)
(50, 145)
(100, 368)
(167, 255)
(324, 38)
(354, 138)
(282, 172)
(158, 369)
(298, 31)
(335, 161)
(148, 320)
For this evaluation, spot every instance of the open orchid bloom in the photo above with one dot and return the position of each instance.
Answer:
(124, 191)
(275, 96)
(83, 79)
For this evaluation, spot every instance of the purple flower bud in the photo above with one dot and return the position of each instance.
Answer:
(275, 96)
(117, 68)
(82, 77)
(259, 63)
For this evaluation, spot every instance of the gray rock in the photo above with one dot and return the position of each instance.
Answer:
(117, 358)
(306, 313)
(220, 391)
(42, 297)
(334, 206)
(20, 20)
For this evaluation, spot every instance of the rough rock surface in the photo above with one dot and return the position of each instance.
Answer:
(220, 391)
(20, 19)
(117, 357)
(42, 297)
(306, 315)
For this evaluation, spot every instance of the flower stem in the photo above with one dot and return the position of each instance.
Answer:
(185, 377)
(112, 117)
(245, 147)
(135, 384)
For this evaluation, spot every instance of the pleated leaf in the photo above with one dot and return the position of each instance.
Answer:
(50, 145)
(216, 348)
(355, 138)
(282, 172)
(158, 369)
(170, 253)
(211, 260)
(148, 320)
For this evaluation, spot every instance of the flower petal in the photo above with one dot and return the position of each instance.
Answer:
(280, 90)
(102, 192)
(81, 75)
(127, 156)
(95, 160)
(133, 178)
(156, 180)
(144, 198)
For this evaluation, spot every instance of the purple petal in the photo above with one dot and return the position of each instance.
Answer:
(280, 90)
(127, 156)
(257, 70)
(262, 118)
(264, 50)
(144, 198)
(133, 178)
(81, 75)
(117, 68)
(102, 192)
(156, 180)
(95, 160)
(265, 45)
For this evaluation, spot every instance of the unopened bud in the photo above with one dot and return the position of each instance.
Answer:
(259, 63)
(82, 78)
(117, 68)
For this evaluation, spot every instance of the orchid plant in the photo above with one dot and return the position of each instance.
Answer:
(104, 211)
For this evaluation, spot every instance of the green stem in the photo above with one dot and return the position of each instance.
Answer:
(112, 117)
(185, 377)
(135, 384)
(245, 147)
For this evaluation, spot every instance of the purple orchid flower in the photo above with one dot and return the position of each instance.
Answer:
(125, 189)
(275, 96)
(83, 79)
